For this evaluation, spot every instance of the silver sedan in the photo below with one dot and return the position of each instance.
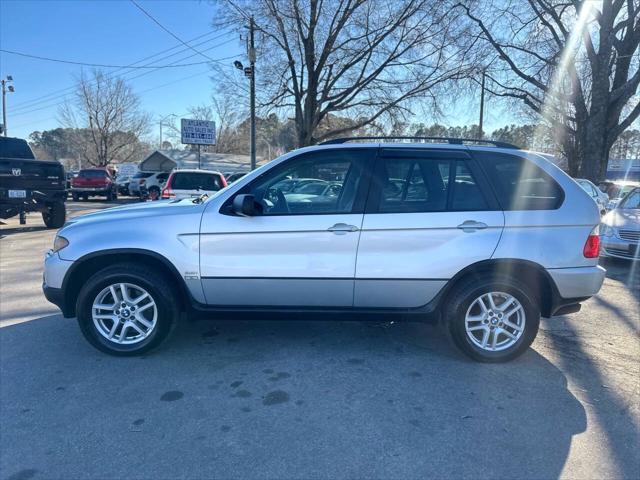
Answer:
(620, 228)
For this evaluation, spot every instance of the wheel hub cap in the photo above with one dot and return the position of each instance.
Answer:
(124, 313)
(495, 321)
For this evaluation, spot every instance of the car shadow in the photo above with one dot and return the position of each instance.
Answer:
(279, 399)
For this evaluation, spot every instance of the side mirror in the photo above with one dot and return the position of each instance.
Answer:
(246, 206)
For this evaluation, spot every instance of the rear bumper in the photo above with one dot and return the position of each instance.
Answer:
(90, 190)
(578, 282)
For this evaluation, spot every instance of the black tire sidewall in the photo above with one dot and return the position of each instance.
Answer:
(470, 291)
(166, 312)
(55, 215)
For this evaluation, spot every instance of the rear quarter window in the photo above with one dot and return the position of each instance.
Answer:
(519, 183)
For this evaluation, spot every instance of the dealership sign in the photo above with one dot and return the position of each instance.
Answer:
(198, 132)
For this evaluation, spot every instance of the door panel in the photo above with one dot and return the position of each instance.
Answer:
(302, 250)
(299, 248)
(407, 255)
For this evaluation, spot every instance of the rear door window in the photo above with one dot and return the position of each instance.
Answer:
(411, 185)
(519, 183)
(196, 181)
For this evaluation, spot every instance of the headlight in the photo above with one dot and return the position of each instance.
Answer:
(606, 230)
(59, 243)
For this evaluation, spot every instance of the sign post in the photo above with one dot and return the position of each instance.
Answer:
(198, 132)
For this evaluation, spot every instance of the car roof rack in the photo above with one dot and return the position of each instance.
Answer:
(449, 140)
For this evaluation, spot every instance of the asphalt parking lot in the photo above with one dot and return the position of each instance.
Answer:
(270, 399)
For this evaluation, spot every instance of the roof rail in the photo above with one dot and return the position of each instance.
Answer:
(450, 140)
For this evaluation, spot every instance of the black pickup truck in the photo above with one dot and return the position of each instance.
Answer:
(30, 185)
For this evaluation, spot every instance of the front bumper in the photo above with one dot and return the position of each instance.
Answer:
(57, 297)
(55, 270)
(615, 247)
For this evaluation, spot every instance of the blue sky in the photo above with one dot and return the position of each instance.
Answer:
(115, 32)
(108, 32)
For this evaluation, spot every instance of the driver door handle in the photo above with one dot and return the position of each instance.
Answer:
(342, 228)
(472, 226)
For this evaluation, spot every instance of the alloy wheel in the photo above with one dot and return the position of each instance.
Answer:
(495, 321)
(124, 313)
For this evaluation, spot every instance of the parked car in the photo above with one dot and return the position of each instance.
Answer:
(193, 183)
(466, 242)
(91, 182)
(148, 184)
(232, 177)
(616, 190)
(600, 197)
(69, 176)
(620, 229)
(30, 185)
(123, 184)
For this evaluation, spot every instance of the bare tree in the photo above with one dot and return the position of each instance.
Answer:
(362, 59)
(108, 120)
(574, 62)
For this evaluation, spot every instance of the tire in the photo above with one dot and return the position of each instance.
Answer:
(75, 197)
(139, 279)
(110, 195)
(55, 215)
(465, 300)
(154, 193)
(85, 197)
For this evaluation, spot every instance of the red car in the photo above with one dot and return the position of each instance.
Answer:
(92, 182)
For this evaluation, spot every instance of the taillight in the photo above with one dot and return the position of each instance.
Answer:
(592, 246)
(224, 181)
(166, 191)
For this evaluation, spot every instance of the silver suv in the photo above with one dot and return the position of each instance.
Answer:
(483, 239)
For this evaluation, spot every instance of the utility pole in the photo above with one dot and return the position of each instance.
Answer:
(252, 65)
(5, 88)
(481, 133)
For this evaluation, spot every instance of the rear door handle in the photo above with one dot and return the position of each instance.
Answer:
(471, 226)
(342, 228)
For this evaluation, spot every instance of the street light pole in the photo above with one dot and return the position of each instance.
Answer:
(252, 63)
(481, 133)
(5, 88)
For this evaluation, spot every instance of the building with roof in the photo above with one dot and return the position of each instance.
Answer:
(167, 160)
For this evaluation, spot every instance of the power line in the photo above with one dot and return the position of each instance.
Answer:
(57, 102)
(166, 29)
(34, 106)
(35, 101)
(57, 60)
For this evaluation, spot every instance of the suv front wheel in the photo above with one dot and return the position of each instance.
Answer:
(126, 309)
(492, 319)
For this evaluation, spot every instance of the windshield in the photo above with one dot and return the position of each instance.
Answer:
(92, 173)
(632, 201)
(312, 188)
(143, 175)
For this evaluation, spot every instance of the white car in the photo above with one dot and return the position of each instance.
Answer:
(601, 198)
(148, 184)
(193, 183)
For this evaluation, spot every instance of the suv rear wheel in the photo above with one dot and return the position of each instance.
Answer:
(492, 319)
(122, 312)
